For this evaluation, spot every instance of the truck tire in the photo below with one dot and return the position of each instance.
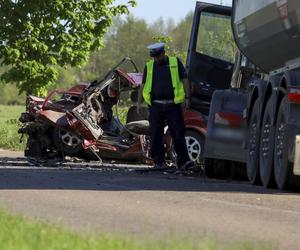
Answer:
(253, 145)
(282, 167)
(223, 170)
(267, 139)
(216, 168)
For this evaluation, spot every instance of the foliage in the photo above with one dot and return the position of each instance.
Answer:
(169, 47)
(164, 39)
(121, 112)
(9, 96)
(35, 36)
(9, 125)
(215, 37)
(129, 37)
(8, 93)
(20, 233)
(67, 77)
(181, 37)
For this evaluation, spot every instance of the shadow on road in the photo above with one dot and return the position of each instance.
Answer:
(18, 173)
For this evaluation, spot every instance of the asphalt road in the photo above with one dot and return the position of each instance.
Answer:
(118, 199)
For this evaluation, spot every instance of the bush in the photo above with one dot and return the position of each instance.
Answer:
(9, 125)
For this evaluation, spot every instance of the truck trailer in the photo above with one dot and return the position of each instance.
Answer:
(244, 65)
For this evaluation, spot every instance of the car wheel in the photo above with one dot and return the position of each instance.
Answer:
(195, 145)
(66, 141)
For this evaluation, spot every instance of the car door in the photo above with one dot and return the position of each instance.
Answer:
(210, 54)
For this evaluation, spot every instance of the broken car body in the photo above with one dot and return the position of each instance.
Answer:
(80, 122)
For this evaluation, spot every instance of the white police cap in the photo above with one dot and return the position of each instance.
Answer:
(156, 49)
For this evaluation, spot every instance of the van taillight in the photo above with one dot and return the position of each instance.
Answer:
(229, 119)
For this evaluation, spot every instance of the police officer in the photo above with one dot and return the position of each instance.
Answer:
(165, 88)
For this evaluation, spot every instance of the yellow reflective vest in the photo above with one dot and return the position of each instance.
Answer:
(179, 94)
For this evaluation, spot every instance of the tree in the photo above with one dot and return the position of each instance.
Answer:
(36, 36)
(127, 37)
(181, 36)
(215, 37)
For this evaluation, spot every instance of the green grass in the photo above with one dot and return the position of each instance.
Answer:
(18, 233)
(121, 112)
(9, 125)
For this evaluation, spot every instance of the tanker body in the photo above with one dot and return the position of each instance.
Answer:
(268, 33)
(254, 100)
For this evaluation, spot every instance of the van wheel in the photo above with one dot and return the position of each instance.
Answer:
(253, 145)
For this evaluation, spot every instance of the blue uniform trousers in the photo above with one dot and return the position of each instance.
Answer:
(159, 115)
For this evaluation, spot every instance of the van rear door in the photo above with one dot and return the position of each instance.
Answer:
(210, 54)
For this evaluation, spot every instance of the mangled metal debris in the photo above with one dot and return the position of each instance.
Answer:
(80, 123)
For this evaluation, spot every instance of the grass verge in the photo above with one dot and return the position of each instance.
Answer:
(9, 125)
(20, 233)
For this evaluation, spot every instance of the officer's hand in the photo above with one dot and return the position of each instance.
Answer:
(187, 104)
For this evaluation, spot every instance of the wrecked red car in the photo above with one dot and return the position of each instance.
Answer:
(80, 122)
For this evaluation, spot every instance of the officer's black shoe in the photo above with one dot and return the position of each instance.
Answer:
(189, 165)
